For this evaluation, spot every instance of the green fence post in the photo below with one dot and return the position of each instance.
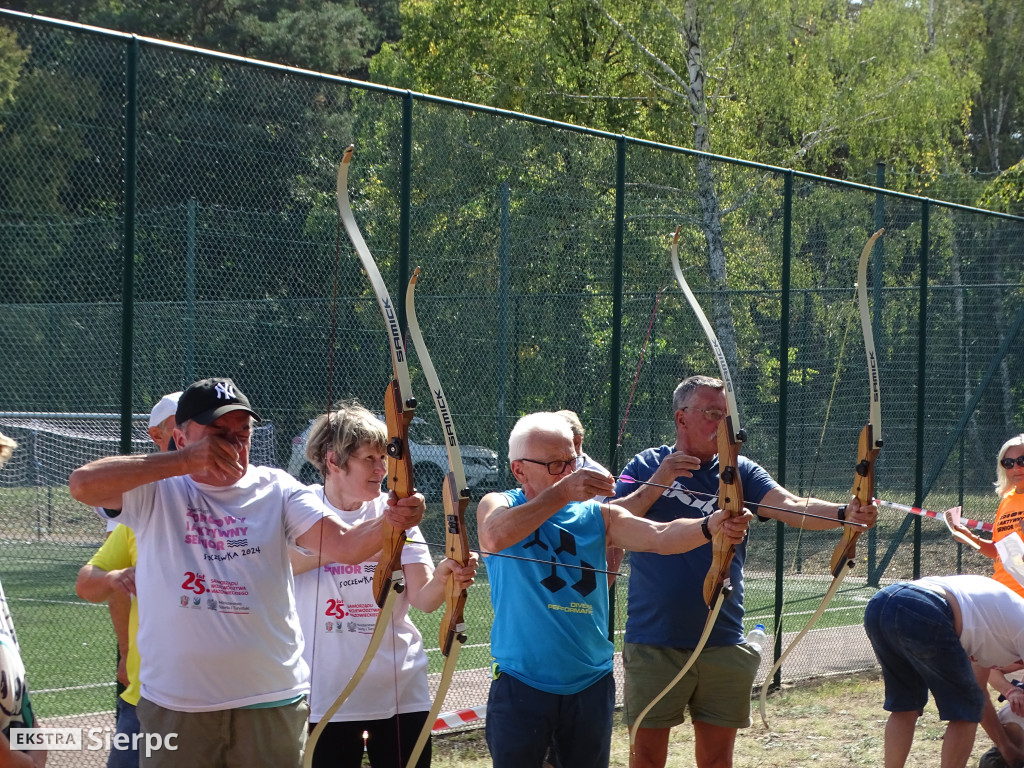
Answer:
(922, 356)
(780, 527)
(128, 266)
(617, 259)
(190, 292)
(616, 350)
(405, 208)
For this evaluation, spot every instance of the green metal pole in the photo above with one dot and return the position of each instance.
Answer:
(780, 527)
(617, 258)
(922, 359)
(616, 350)
(190, 293)
(405, 208)
(128, 266)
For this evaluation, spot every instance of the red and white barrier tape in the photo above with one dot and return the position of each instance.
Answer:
(459, 717)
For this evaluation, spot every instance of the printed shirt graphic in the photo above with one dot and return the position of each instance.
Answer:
(14, 712)
(1008, 519)
(666, 600)
(118, 552)
(337, 621)
(550, 627)
(217, 622)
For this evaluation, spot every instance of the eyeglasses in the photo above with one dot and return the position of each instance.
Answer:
(1008, 462)
(711, 414)
(558, 467)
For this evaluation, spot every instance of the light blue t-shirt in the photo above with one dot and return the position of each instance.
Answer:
(666, 592)
(550, 627)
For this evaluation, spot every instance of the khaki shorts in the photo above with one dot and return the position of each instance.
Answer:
(716, 689)
(272, 737)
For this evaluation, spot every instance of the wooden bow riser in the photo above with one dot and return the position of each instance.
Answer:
(845, 552)
(400, 480)
(730, 499)
(453, 623)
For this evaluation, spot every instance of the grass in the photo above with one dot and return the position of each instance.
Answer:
(834, 722)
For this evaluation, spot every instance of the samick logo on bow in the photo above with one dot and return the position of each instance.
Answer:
(455, 495)
(717, 584)
(868, 448)
(399, 409)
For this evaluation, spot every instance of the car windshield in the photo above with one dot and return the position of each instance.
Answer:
(422, 433)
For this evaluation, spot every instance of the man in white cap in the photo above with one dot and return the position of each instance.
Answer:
(109, 577)
(161, 421)
(222, 674)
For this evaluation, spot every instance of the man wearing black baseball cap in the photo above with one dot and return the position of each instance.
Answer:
(220, 639)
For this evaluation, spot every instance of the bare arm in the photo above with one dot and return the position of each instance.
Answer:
(12, 759)
(676, 464)
(501, 526)
(427, 586)
(639, 534)
(102, 483)
(336, 542)
(97, 585)
(794, 505)
(990, 721)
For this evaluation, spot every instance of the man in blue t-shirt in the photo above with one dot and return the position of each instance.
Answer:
(553, 682)
(666, 610)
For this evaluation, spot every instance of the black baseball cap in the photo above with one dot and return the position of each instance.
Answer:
(208, 399)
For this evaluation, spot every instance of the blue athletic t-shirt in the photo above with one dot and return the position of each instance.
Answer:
(550, 627)
(666, 592)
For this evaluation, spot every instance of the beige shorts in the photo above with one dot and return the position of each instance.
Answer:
(716, 689)
(272, 737)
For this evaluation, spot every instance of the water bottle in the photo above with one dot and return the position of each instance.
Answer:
(757, 638)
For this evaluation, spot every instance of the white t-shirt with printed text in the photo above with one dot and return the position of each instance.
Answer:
(218, 627)
(338, 618)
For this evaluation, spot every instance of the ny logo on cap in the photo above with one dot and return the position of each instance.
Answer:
(225, 390)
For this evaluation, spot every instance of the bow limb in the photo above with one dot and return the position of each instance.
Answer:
(868, 447)
(399, 409)
(717, 583)
(455, 496)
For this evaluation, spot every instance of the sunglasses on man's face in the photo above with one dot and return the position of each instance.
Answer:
(1008, 463)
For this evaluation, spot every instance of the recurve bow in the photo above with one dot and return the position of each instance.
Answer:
(717, 583)
(455, 495)
(399, 409)
(868, 448)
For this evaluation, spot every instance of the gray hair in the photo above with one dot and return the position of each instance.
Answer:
(687, 387)
(543, 422)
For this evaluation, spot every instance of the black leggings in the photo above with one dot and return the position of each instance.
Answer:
(388, 744)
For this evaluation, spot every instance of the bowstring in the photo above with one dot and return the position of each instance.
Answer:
(850, 313)
(331, 336)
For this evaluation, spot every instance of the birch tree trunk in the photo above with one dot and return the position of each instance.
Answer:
(711, 213)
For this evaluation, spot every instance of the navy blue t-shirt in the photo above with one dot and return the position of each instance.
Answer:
(666, 600)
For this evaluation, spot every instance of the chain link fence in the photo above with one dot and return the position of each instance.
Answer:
(168, 214)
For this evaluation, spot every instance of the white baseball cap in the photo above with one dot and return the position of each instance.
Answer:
(167, 405)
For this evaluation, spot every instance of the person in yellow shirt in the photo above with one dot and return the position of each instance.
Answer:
(110, 577)
(111, 571)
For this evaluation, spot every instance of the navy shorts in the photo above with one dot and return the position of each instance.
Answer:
(912, 632)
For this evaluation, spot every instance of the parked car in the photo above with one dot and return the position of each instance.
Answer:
(429, 461)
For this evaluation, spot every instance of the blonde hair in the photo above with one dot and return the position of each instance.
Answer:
(1003, 483)
(7, 446)
(343, 431)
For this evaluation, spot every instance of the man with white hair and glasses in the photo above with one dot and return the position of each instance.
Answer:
(552, 671)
